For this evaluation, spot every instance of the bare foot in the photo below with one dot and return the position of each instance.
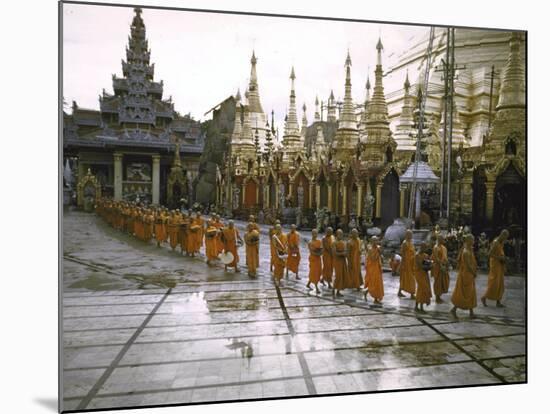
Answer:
(399, 294)
(453, 312)
(500, 305)
(484, 301)
(412, 296)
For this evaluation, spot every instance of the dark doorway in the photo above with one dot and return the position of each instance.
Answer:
(479, 192)
(390, 199)
(510, 206)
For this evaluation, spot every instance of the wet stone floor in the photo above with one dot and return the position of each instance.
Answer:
(144, 325)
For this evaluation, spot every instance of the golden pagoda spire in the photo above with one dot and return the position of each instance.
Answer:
(348, 120)
(512, 88)
(317, 116)
(377, 107)
(253, 91)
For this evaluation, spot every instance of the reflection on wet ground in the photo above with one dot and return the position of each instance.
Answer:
(144, 325)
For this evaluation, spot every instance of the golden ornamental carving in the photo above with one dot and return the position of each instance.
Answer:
(87, 180)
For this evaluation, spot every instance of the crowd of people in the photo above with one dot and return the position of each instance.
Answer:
(334, 262)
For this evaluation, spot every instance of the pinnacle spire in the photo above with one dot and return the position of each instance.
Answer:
(317, 116)
(379, 48)
(377, 107)
(512, 88)
(348, 119)
(291, 126)
(407, 84)
(253, 91)
(331, 116)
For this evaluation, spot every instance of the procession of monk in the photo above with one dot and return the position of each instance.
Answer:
(334, 262)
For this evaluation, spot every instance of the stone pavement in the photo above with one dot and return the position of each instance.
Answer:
(146, 326)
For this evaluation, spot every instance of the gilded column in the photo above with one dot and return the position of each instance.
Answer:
(329, 194)
(359, 198)
(344, 199)
(257, 193)
(290, 188)
(156, 178)
(243, 195)
(118, 175)
(318, 195)
(311, 190)
(490, 199)
(378, 200)
(277, 196)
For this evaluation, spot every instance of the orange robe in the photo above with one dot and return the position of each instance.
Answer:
(495, 281)
(160, 228)
(211, 243)
(272, 248)
(197, 235)
(439, 270)
(340, 264)
(373, 278)
(327, 258)
(280, 248)
(406, 271)
(464, 294)
(219, 242)
(184, 236)
(139, 227)
(354, 263)
(173, 230)
(252, 254)
(230, 244)
(315, 268)
(423, 288)
(147, 228)
(293, 260)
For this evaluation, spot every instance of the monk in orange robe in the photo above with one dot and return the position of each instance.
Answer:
(219, 225)
(315, 253)
(160, 227)
(374, 282)
(196, 234)
(423, 288)
(280, 256)
(497, 266)
(464, 294)
(252, 221)
(406, 270)
(186, 238)
(355, 280)
(211, 242)
(252, 241)
(340, 263)
(148, 222)
(293, 260)
(272, 231)
(440, 272)
(173, 229)
(328, 268)
(230, 237)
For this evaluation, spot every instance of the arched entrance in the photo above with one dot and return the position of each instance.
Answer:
(390, 199)
(479, 223)
(323, 192)
(510, 206)
(88, 191)
(250, 194)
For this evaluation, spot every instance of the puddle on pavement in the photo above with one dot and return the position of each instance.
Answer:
(97, 282)
(193, 303)
(158, 280)
(245, 304)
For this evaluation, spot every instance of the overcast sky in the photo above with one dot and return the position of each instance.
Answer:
(204, 57)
